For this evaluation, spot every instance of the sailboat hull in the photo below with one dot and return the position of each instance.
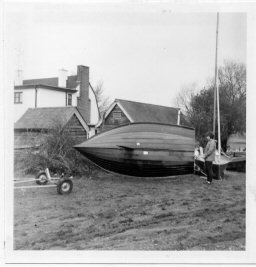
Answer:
(217, 167)
(143, 149)
(238, 163)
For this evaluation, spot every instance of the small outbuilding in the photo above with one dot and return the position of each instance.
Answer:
(237, 142)
(32, 128)
(122, 112)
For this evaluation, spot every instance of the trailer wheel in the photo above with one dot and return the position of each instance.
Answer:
(64, 186)
(41, 178)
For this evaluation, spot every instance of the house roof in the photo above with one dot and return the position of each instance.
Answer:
(29, 86)
(47, 118)
(54, 81)
(46, 81)
(143, 112)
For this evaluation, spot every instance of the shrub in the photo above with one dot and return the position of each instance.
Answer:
(57, 154)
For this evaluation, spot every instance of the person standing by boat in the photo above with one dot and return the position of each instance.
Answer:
(209, 156)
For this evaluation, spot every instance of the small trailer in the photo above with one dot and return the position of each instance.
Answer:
(44, 179)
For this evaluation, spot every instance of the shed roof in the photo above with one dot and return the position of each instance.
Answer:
(47, 118)
(143, 112)
(237, 138)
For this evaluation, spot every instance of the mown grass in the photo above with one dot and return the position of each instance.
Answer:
(115, 212)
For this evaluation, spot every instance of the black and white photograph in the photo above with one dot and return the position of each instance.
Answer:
(126, 133)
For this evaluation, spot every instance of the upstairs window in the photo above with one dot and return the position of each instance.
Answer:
(17, 97)
(69, 99)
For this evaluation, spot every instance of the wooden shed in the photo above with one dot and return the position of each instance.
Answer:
(32, 128)
(124, 111)
(237, 142)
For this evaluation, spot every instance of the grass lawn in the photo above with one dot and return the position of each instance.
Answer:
(110, 212)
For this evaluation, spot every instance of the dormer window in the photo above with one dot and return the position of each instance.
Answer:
(17, 97)
(69, 99)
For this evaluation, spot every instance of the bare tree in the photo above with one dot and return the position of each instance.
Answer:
(184, 97)
(198, 107)
(103, 100)
(232, 78)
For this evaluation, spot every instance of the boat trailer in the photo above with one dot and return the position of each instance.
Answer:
(44, 179)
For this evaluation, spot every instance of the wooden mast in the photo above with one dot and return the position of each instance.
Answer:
(216, 77)
(218, 104)
(216, 94)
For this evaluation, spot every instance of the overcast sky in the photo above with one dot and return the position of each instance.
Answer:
(143, 53)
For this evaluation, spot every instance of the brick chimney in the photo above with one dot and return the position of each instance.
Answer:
(83, 101)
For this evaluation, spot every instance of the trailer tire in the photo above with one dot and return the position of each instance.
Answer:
(41, 178)
(64, 186)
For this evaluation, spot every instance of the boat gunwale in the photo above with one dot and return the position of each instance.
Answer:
(140, 149)
(134, 123)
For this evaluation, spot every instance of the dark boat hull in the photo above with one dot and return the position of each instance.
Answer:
(218, 168)
(143, 149)
(237, 164)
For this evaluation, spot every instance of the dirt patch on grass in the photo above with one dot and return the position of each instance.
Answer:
(113, 212)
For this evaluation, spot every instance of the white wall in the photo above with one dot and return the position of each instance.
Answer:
(94, 108)
(28, 101)
(75, 96)
(91, 132)
(45, 98)
(51, 98)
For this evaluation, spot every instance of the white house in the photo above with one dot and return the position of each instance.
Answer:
(62, 91)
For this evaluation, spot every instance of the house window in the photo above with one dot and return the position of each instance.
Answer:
(69, 99)
(18, 97)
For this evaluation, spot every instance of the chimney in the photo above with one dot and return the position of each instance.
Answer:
(18, 77)
(83, 101)
(63, 75)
